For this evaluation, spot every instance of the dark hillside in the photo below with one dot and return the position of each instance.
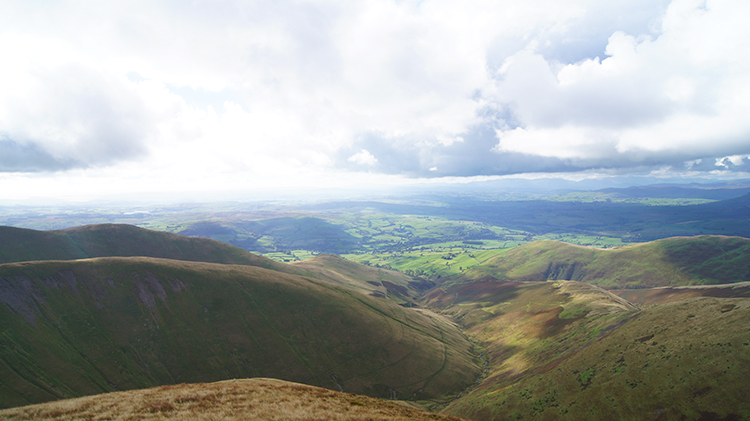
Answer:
(73, 328)
(108, 240)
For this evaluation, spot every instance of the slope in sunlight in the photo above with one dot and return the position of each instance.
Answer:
(570, 350)
(669, 262)
(249, 399)
(377, 282)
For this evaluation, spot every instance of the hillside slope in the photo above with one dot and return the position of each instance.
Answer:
(73, 328)
(108, 240)
(569, 350)
(678, 261)
(378, 282)
(256, 399)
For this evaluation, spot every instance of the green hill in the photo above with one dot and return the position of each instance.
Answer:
(73, 328)
(676, 261)
(569, 350)
(106, 240)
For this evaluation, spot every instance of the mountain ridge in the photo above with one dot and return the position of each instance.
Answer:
(102, 240)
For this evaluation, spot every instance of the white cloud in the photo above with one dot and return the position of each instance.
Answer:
(683, 92)
(243, 89)
(731, 160)
(363, 157)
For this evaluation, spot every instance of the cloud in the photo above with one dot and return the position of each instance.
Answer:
(413, 88)
(732, 161)
(15, 157)
(61, 114)
(363, 157)
(678, 95)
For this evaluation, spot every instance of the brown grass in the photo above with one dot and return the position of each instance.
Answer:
(261, 399)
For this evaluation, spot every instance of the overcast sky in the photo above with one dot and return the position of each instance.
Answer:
(149, 96)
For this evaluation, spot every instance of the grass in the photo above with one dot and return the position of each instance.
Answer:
(394, 286)
(592, 197)
(261, 399)
(290, 256)
(74, 328)
(105, 240)
(556, 350)
(677, 261)
(613, 360)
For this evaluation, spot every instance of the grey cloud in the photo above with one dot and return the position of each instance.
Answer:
(587, 37)
(15, 157)
(475, 156)
(74, 119)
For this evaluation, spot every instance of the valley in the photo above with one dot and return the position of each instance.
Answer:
(460, 317)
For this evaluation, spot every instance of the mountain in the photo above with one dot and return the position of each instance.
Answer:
(681, 191)
(647, 331)
(677, 261)
(227, 400)
(107, 240)
(81, 327)
(569, 350)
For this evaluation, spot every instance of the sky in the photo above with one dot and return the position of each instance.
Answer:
(104, 98)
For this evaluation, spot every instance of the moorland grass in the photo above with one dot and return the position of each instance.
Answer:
(246, 399)
(684, 359)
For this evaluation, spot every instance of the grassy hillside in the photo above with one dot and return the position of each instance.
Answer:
(256, 399)
(670, 262)
(19, 245)
(73, 328)
(369, 280)
(568, 350)
(663, 295)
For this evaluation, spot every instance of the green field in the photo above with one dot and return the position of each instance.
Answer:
(430, 223)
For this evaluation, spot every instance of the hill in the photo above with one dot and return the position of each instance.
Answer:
(679, 261)
(73, 328)
(377, 282)
(680, 191)
(569, 350)
(107, 240)
(663, 295)
(258, 399)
